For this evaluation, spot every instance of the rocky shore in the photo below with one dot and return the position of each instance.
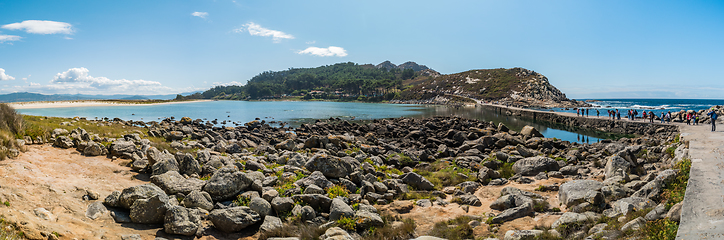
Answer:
(264, 180)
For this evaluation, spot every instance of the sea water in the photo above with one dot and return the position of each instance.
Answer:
(294, 114)
(657, 106)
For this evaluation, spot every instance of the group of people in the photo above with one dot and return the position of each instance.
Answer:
(690, 117)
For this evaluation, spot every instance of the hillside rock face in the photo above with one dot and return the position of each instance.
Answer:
(513, 86)
(407, 65)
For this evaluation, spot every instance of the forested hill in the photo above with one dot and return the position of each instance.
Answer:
(341, 80)
(405, 83)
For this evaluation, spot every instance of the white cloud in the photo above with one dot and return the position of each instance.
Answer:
(200, 14)
(77, 80)
(41, 27)
(257, 30)
(5, 77)
(232, 83)
(9, 38)
(325, 52)
(311, 42)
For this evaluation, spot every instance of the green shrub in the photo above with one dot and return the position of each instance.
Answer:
(663, 229)
(337, 191)
(346, 223)
(453, 229)
(674, 191)
(506, 171)
(670, 151)
(242, 201)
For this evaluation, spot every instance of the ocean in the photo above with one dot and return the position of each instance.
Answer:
(297, 113)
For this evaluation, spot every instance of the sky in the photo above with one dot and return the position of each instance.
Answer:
(587, 49)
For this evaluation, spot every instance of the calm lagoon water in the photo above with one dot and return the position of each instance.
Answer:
(295, 113)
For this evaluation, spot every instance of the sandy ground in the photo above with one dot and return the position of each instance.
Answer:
(82, 103)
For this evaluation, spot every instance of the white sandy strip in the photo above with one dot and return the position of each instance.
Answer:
(82, 103)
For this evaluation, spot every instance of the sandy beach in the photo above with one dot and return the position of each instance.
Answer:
(84, 103)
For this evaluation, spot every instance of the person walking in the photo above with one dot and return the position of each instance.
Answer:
(713, 116)
(696, 118)
(651, 116)
(662, 117)
(578, 112)
(618, 114)
(586, 112)
(598, 114)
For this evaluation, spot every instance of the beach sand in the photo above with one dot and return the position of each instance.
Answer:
(84, 103)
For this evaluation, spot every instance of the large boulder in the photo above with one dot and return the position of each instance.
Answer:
(316, 178)
(233, 219)
(630, 204)
(93, 149)
(617, 166)
(226, 183)
(533, 165)
(95, 210)
(260, 206)
(270, 223)
(415, 180)
(336, 233)
(331, 166)
(317, 201)
(178, 221)
(569, 218)
(188, 165)
(132, 194)
(282, 205)
(163, 166)
(339, 209)
(122, 147)
(150, 210)
(63, 142)
(172, 182)
(574, 192)
(197, 199)
(367, 219)
(530, 131)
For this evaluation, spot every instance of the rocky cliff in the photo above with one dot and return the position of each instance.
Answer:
(513, 86)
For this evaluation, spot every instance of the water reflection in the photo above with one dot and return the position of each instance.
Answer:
(547, 129)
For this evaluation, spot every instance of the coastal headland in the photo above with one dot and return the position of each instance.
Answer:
(431, 176)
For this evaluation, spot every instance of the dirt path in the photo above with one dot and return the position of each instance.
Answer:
(56, 180)
(702, 214)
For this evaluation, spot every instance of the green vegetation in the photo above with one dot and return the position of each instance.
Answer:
(6, 203)
(674, 191)
(9, 231)
(444, 173)
(242, 200)
(663, 229)
(346, 223)
(453, 229)
(506, 171)
(337, 191)
(339, 81)
(670, 151)
(284, 184)
(11, 127)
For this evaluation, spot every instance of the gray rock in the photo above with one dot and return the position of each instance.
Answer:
(313, 189)
(336, 233)
(95, 210)
(469, 187)
(187, 164)
(260, 206)
(533, 165)
(617, 166)
(574, 192)
(63, 142)
(339, 209)
(198, 199)
(227, 182)
(418, 182)
(44, 214)
(317, 201)
(568, 218)
(331, 166)
(469, 199)
(522, 234)
(282, 205)
(121, 216)
(629, 204)
(113, 199)
(172, 182)
(178, 221)
(657, 213)
(121, 147)
(367, 219)
(131, 237)
(163, 166)
(150, 210)
(307, 213)
(530, 131)
(132, 194)
(674, 213)
(269, 194)
(510, 201)
(316, 178)
(233, 219)
(270, 223)
(651, 190)
(526, 209)
(424, 203)
(634, 225)
(93, 149)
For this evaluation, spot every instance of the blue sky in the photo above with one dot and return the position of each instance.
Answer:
(588, 49)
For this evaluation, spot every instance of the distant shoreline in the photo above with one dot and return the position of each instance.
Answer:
(90, 103)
